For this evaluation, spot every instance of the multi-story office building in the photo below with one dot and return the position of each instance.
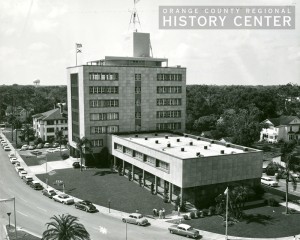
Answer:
(125, 94)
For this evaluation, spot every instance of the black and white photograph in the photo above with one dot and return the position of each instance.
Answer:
(149, 119)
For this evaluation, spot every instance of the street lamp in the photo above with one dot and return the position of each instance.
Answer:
(8, 214)
(109, 205)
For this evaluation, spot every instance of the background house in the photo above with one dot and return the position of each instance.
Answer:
(46, 124)
(19, 112)
(284, 127)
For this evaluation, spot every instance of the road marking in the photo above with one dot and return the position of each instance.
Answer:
(42, 209)
(22, 214)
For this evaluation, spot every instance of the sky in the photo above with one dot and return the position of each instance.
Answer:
(37, 41)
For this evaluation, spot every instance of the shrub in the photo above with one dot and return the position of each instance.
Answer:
(205, 212)
(65, 156)
(199, 214)
(272, 202)
(186, 217)
(193, 215)
(258, 190)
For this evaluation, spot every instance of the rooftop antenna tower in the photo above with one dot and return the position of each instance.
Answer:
(134, 19)
(36, 82)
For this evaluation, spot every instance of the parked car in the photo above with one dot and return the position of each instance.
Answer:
(85, 206)
(51, 150)
(31, 147)
(7, 148)
(184, 230)
(47, 145)
(27, 179)
(76, 165)
(13, 160)
(40, 145)
(49, 192)
(19, 169)
(269, 182)
(22, 173)
(54, 145)
(36, 152)
(36, 185)
(24, 148)
(296, 176)
(136, 218)
(11, 155)
(63, 198)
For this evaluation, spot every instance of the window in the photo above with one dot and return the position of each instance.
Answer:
(97, 130)
(138, 102)
(168, 114)
(137, 90)
(128, 151)
(138, 77)
(169, 77)
(50, 130)
(150, 160)
(104, 90)
(97, 142)
(119, 147)
(138, 155)
(168, 126)
(104, 103)
(163, 165)
(112, 129)
(169, 89)
(137, 115)
(103, 76)
(50, 122)
(104, 116)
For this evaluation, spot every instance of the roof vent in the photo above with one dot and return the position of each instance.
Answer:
(191, 143)
(136, 135)
(205, 147)
(182, 149)
(178, 139)
(245, 149)
(156, 141)
(169, 145)
(222, 151)
(155, 134)
(146, 138)
(198, 154)
(227, 145)
(198, 138)
(166, 137)
(212, 141)
(185, 135)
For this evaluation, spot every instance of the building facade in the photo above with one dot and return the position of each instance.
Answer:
(286, 128)
(125, 94)
(195, 168)
(19, 112)
(46, 124)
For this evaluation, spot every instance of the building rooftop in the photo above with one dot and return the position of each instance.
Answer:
(187, 146)
(282, 120)
(53, 114)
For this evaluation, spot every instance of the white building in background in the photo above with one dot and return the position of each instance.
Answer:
(46, 124)
(286, 128)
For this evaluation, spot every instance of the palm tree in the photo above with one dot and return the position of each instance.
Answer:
(83, 145)
(65, 227)
(287, 173)
(59, 135)
(27, 132)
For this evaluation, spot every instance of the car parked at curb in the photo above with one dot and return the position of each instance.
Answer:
(40, 145)
(269, 182)
(13, 160)
(22, 173)
(11, 155)
(19, 169)
(27, 179)
(63, 198)
(136, 218)
(31, 147)
(36, 185)
(7, 148)
(49, 192)
(47, 145)
(184, 230)
(24, 148)
(85, 205)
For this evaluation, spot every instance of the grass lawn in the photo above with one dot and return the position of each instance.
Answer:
(100, 186)
(33, 160)
(20, 234)
(262, 222)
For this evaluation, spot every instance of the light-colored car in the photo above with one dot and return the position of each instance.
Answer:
(184, 230)
(11, 155)
(63, 198)
(7, 148)
(47, 145)
(22, 173)
(36, 185)
(269, 182)
(13, 160)
(49, 192)
(27, 179)
(296, 176)
(136, 218)
(31, 147)
(50, 150)
(24, 148)
(19, 169)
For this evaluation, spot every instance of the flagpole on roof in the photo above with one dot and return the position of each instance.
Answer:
(77, 46)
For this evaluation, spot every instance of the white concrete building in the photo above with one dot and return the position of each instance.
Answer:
(46, 124)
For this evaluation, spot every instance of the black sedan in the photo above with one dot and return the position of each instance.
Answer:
(85, 206)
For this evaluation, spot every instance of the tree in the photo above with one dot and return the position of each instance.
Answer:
(65, 227)
(27, 132)
(60, 138)
(83, 145)
(288, 151)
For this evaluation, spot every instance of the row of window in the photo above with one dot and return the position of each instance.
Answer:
(104, 103)
(168, 114)
(104, 89)
(142, 157)
(169, 89)
(168, 126)
(169, 77)
(53, 122)
(97, 142)
(103, 76)
(104, 116)
(52, 130)
(137, 77)
(168, 101)
(104, 129)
